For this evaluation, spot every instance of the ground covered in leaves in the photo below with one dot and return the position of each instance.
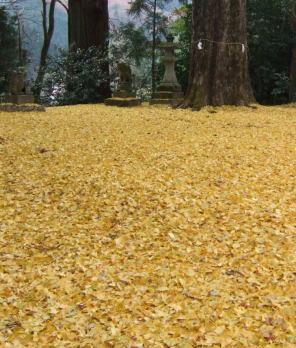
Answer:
(148, 227)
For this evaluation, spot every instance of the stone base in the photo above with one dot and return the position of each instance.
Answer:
(171, 102)
(124, 94)
(169, 87)
(21, 107)
(167, 95)
(166, 98)
(20, 99)
(128, 102)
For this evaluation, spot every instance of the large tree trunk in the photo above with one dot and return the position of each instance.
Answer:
(219, 60)
(88, 22)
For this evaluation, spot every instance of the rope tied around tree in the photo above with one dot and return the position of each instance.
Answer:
(200, 44)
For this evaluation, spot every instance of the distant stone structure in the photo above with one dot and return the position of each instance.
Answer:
(17, 84)
(125, 82)
(18, 90)
(124, 95)
(125, 73)
(169, 91)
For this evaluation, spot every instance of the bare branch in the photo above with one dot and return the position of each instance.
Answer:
(44, 18)
(63, 5)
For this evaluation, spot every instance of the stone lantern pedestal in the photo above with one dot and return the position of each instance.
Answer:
(169, 91)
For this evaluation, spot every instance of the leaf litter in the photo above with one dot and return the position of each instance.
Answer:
(148, 227)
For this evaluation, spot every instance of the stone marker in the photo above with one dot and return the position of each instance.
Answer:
(20, 98)
(169, 91)
(124, 95)
(18, 90)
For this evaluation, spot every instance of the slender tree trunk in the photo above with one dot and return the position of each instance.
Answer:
(153, 47)
(293, 76)
(89, 26)
(219, 60)
(48, 30)
(20, 48)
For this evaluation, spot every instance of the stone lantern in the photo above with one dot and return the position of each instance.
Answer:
(169, 91)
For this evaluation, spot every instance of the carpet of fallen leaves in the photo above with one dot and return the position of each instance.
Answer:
(148, 227)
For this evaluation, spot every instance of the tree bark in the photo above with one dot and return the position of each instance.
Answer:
(219, 66)
(88, 24)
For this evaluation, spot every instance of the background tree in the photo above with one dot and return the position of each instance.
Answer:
(271, 39)
(292, 91)
(219, 60)
(155, 20)
(48, 29)
(35, 22)
(79, 87)
(89, 27)
(8, 47)
(129, 42)
(16, 12)
(182, 29)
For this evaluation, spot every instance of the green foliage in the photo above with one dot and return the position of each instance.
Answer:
(182, 28)
(8, 48)
(138, 7)
(129, 43)
(153, 15)
(270, 42)
(74, 77)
